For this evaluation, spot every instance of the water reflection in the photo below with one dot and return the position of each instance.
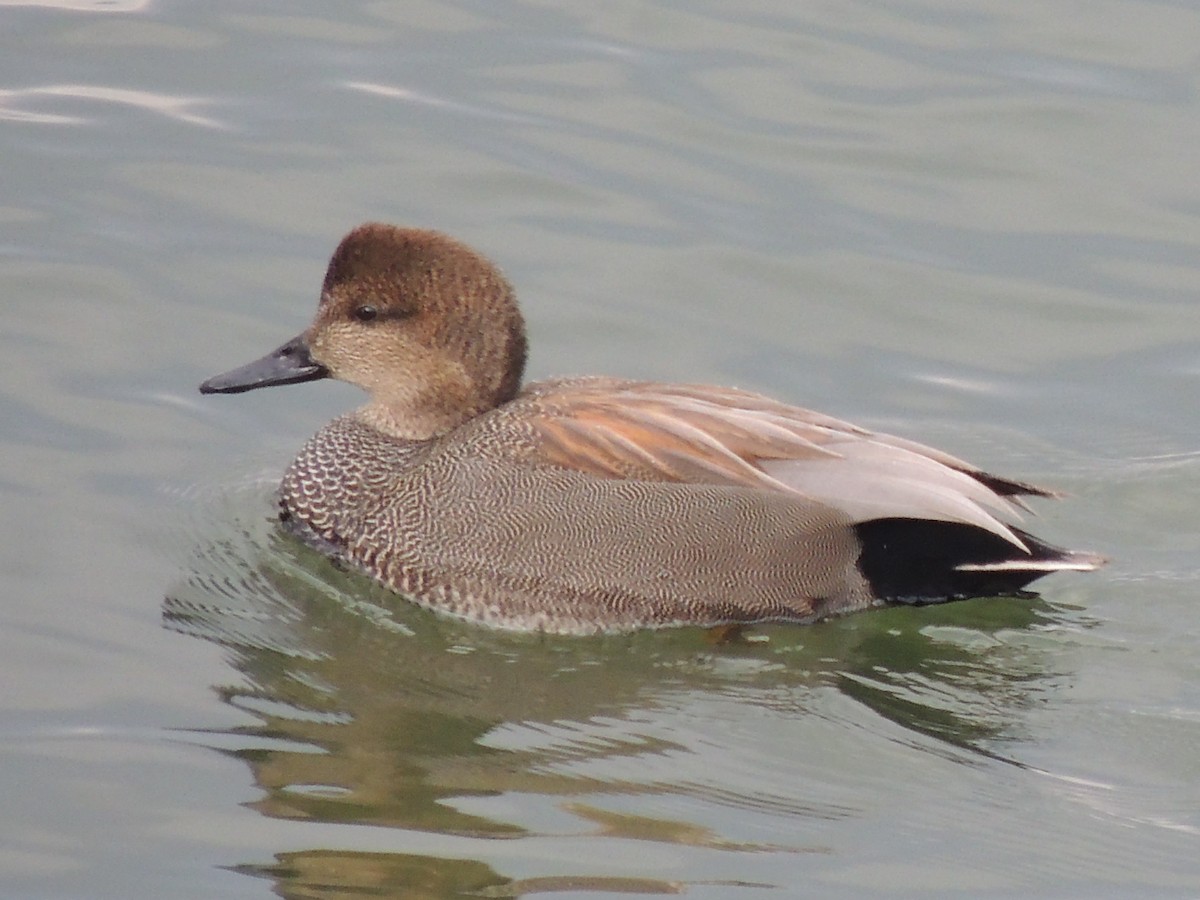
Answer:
(372, 712)
(321, 873)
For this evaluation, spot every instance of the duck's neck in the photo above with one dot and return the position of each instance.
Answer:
(422, 414)
(407, 426)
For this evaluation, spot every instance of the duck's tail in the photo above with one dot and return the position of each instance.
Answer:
(925, 561)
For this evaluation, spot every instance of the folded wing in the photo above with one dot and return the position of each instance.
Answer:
(697, 433)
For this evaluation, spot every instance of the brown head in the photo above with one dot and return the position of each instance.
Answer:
(427, 326)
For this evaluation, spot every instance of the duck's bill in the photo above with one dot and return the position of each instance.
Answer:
(288, 364)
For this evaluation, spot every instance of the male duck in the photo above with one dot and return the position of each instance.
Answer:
(597, 504)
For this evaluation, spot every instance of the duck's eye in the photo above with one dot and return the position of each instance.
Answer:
(366, 313)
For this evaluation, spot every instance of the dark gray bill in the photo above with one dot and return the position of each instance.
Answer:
(285, 365)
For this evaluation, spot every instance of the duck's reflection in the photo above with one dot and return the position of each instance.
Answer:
(374, 712)
(325, 874)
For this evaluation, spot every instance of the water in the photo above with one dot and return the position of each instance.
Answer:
(978, 227)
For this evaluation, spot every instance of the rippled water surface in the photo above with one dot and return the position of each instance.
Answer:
(975, 225)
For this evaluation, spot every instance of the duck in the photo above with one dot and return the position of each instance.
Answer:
(594, 504)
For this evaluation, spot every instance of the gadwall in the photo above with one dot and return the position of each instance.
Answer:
(596, 504)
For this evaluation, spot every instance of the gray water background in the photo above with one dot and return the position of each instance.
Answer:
(973, 224)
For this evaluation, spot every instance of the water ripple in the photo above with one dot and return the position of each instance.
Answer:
(179, 109)
(92, 6)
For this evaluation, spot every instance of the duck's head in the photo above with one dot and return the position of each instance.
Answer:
(427, 326)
